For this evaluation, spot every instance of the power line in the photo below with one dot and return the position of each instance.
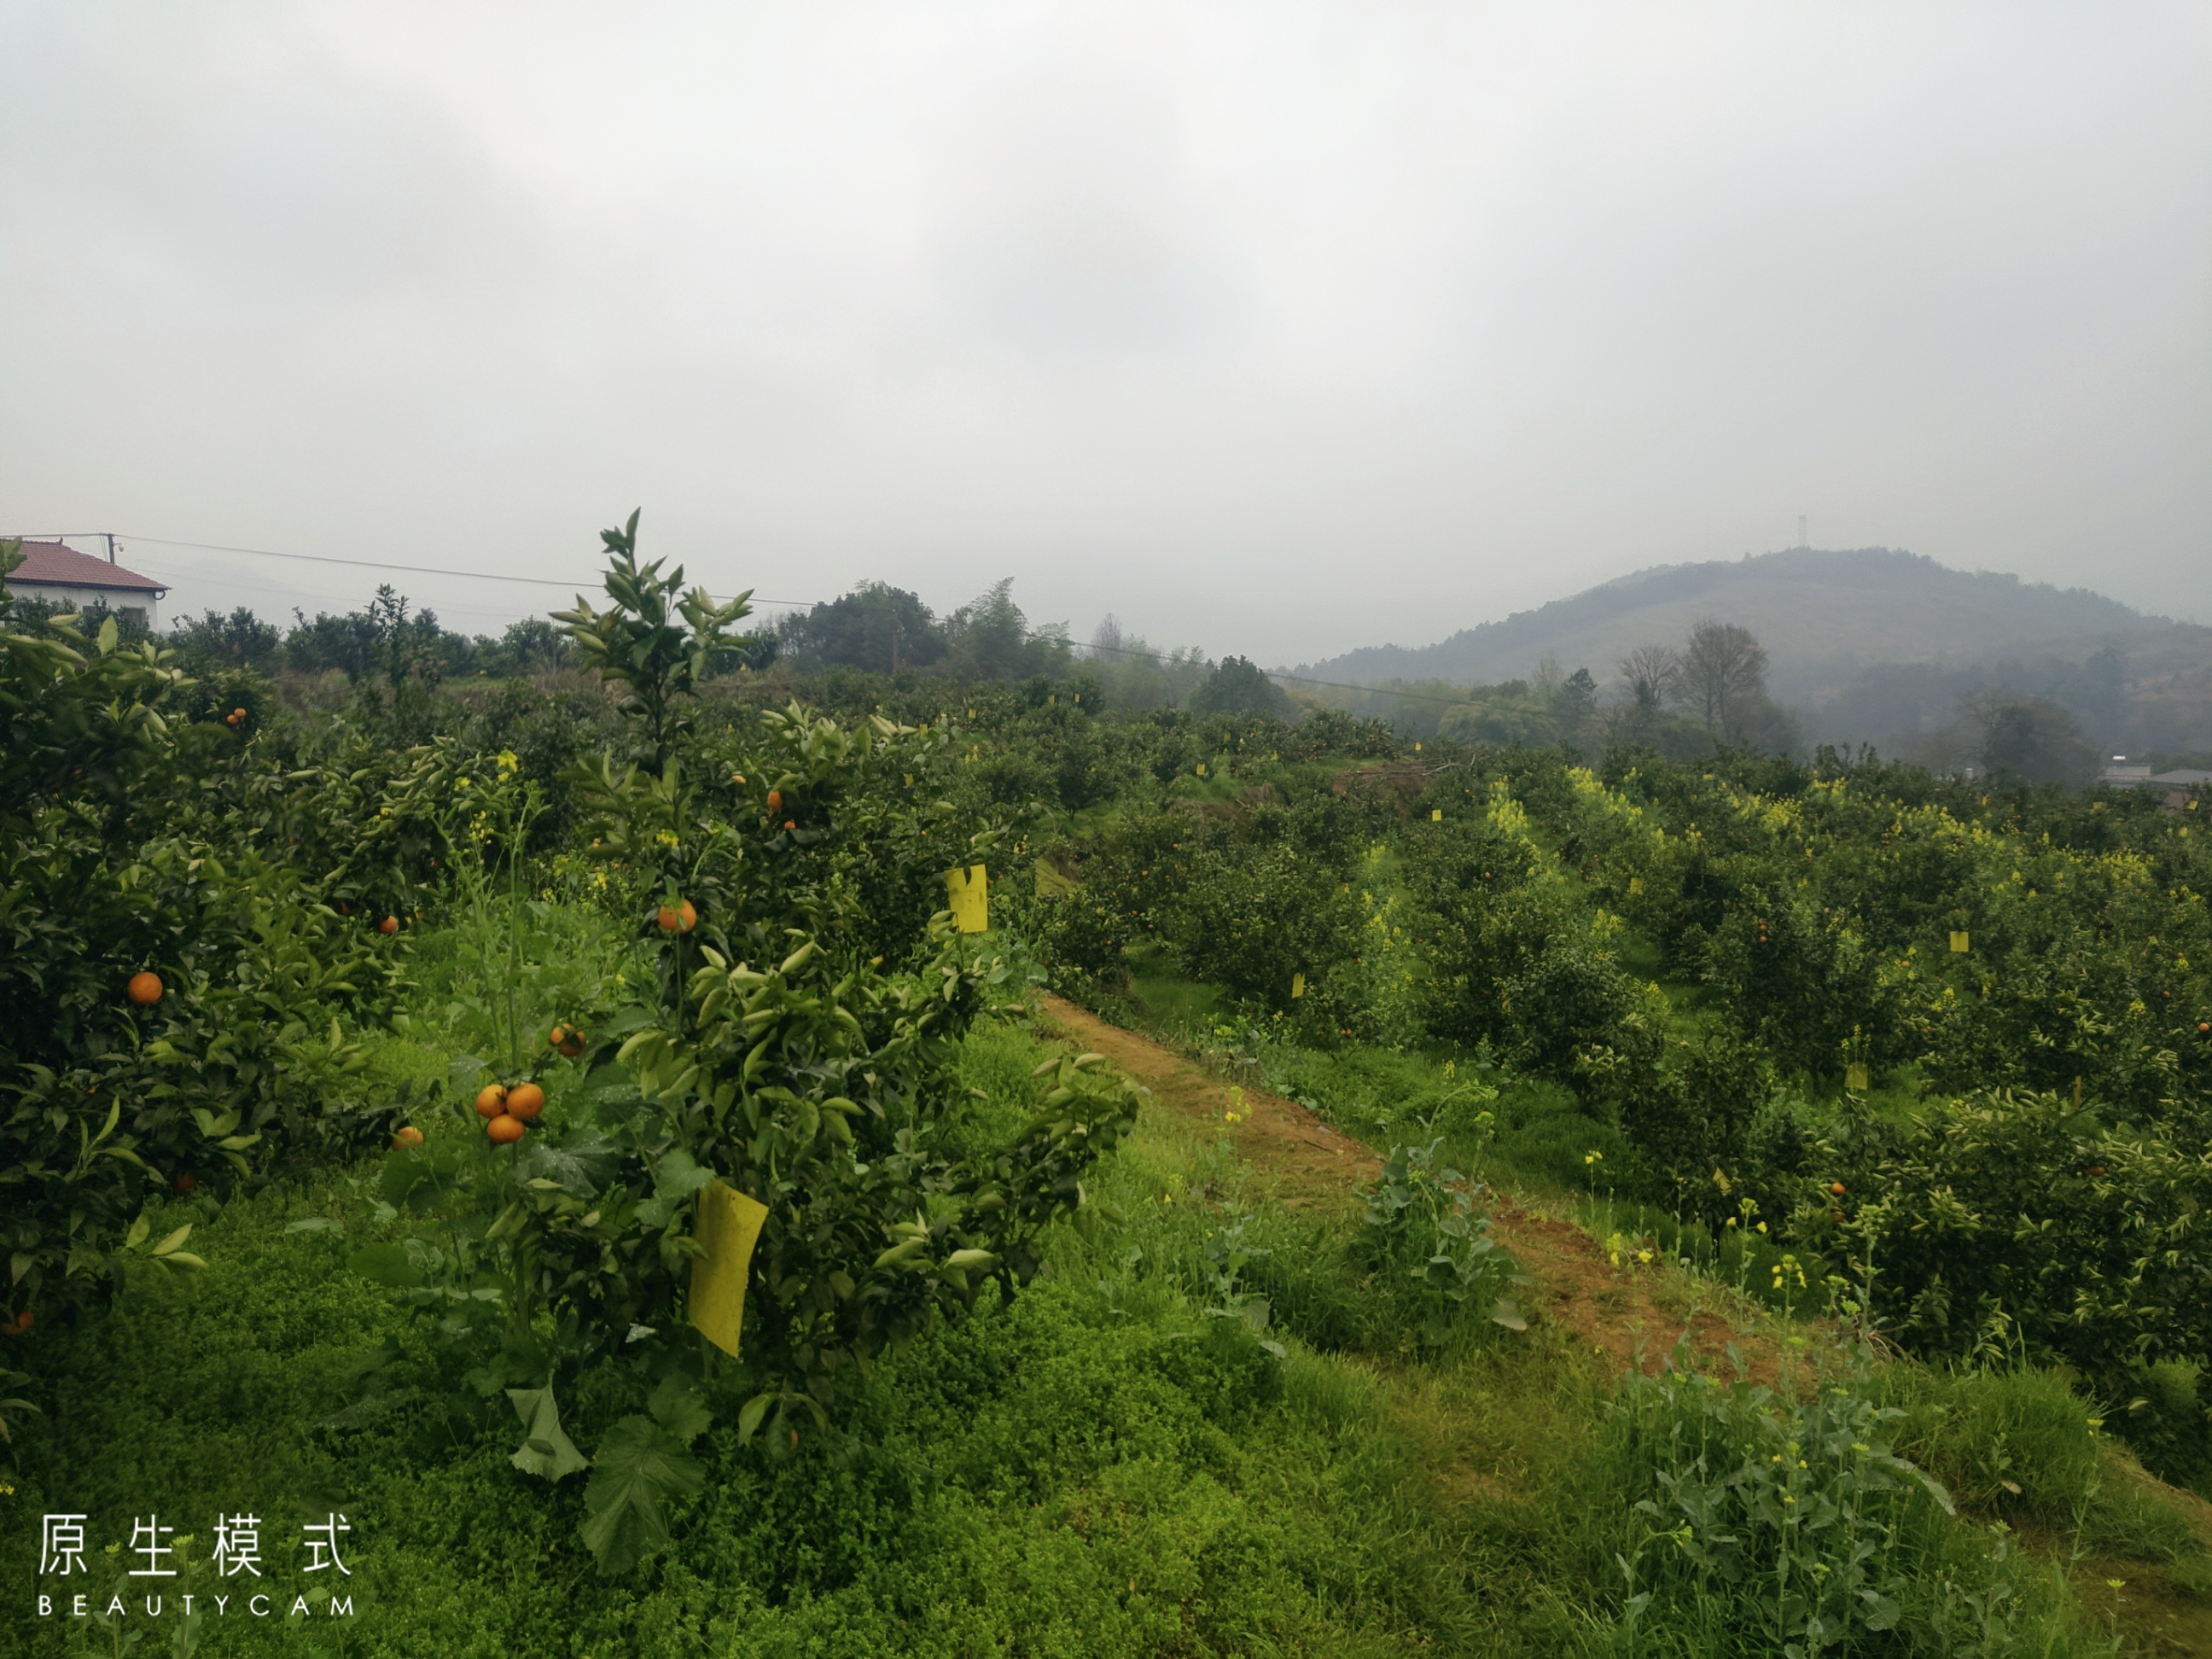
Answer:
(802, 605)
(358, 565)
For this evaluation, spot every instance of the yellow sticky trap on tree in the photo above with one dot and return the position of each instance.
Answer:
(971, 904)
(1297, 985)
(1958, 942)
(1855, 1077)
(1436, 815)
(1201, 768)
(729, 1226)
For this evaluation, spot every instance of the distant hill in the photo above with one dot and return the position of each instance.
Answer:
(1829, 619)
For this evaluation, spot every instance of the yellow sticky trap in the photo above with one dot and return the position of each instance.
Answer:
(1958, 942)
(1201, 768)
(1297, 985)
(970, 903)
(1855, 1077)
(729, 1226)
(1436, 815)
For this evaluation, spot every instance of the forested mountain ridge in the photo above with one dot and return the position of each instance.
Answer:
(1823, 615)
(1870, 644)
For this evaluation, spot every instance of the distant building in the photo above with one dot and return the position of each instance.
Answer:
(2178, 785)
(55, 571)
(2175, 786)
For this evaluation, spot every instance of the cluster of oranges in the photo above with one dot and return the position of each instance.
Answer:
(776, 806)
(236, 717)
(389, 925)
(507, 1112)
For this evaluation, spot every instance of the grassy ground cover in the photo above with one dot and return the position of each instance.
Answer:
(1100, 1469)
(1117, 1463)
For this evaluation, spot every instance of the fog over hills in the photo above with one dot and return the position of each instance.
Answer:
(1869, 644)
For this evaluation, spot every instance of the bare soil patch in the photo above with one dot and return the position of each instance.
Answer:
(1625, 1314)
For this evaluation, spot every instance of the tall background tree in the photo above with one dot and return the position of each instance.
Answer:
(1722, 672)
(1239, 686)
(2031, 738)
(1575, 705)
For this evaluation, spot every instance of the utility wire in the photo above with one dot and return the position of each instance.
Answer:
(358, 565)
(547, 581)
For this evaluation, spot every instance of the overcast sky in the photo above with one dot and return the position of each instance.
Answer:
(1273, 328)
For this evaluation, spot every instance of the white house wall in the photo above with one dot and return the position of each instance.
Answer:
(118, 599)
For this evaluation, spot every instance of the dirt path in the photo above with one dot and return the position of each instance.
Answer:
(1579, 1293)
(1312, 1166)
(1613, 1308)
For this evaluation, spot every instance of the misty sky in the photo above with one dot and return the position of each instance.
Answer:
(1275, 328)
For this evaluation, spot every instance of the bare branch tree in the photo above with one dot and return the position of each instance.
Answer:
(1650, 672)
(1721, 666)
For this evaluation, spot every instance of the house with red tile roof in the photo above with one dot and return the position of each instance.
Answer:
(58, 572)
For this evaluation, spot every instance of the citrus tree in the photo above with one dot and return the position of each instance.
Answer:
(170, 986)
(797, 1045)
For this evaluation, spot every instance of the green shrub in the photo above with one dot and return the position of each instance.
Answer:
(131, 841)
(1432, 1247)
(1736, 1519)
(799, 1044)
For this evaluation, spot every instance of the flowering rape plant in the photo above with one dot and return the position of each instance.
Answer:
(1423, 1229)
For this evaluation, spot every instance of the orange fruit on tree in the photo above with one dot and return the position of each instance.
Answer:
(775, 801)
(504, 1131)
(567, 1040)
(145, 988)
(525, 1101)
(238, 714)
(678, 918)
(791, 823)
(389, 925)
(409, 1135)
(491, 1100)
(21, 1322)
(186, 1181)
(1837, 1188)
